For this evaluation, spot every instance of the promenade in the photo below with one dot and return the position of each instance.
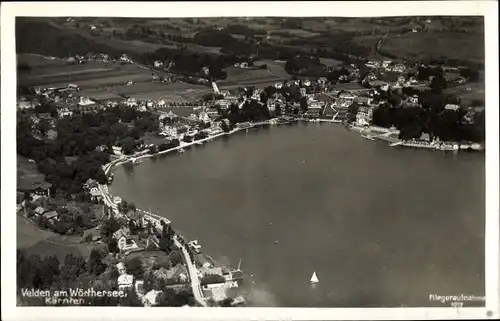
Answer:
(193, 274)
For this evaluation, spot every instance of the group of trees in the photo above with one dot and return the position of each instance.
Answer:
(48, 273)
(166, 238)
(431, 118)
(68, 222)
(305, 66)
(78, 136)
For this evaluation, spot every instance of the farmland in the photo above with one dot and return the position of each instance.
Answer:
(468, 93)
(92, 74)
(415, 46)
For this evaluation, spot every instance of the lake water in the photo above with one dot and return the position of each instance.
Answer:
(381, 226)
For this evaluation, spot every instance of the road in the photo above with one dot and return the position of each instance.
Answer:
(193, 274)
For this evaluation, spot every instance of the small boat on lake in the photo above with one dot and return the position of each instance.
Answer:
(181, 150)
(314, 278)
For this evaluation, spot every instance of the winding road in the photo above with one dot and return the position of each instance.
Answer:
(193, 274)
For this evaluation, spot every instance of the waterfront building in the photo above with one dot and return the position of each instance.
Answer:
(364, 116)
(117, 150)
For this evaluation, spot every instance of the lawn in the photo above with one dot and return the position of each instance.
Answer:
(236, 76)
(417, 46)
(42, 242)
(35, 61)
(27, 172)
(276, 68)
(99, 94)
(86, 75)
(177, 91)
(476, 92)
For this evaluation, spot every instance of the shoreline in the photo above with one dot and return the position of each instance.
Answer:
(377, 133)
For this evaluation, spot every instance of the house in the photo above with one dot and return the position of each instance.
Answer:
(64, 112)
(178, 272)
(125, 281)
(95, 194)
(158, 64)
(117, 150)
(347, 96)
(413, 99)
(40, 210)
(90, 183)
(25, 105)
(125, 243)
(452, 107)
(94, 234)
(224, 272)
(85, 102)
(364, 100)
(51, 216)
(150, 298)
(364, 116)
(37, 188)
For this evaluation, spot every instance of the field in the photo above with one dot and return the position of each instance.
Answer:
(35, 60)
(102, 81)
(416, 46)
(243, 77)
(173, 92)
(476, 92)
(90, 75)
(42, 242)
(276, 68)
(100, 94)
(330, 62)
(27, 172)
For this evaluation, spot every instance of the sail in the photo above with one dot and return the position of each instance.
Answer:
(314, 278)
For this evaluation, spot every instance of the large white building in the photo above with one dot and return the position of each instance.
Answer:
(364, 116)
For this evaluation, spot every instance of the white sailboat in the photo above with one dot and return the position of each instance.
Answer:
(314, 278)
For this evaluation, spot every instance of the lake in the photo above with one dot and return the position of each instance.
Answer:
(381, 226)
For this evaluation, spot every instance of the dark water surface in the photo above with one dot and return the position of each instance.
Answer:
(381, 226)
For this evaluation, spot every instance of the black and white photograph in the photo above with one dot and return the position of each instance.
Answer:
(251, 161)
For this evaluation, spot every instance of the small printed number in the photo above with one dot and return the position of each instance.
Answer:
(457, 304)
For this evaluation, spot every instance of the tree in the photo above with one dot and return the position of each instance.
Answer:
(227, 302)
(43, 126)
(169, 298)
(113, 246)
(72, 267)
(95, 265)
(135, 267)
(277, 109)
(176, 257)
(131, 299)
(212, 278)
(303, 104)
(438, 83)
(224, 127)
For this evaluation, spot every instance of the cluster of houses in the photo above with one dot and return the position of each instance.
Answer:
(126, 282)
(386, 65)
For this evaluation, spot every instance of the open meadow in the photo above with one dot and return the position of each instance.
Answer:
(27, 172)
(415, 46)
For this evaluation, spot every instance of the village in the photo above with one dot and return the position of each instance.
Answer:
(128, 233)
